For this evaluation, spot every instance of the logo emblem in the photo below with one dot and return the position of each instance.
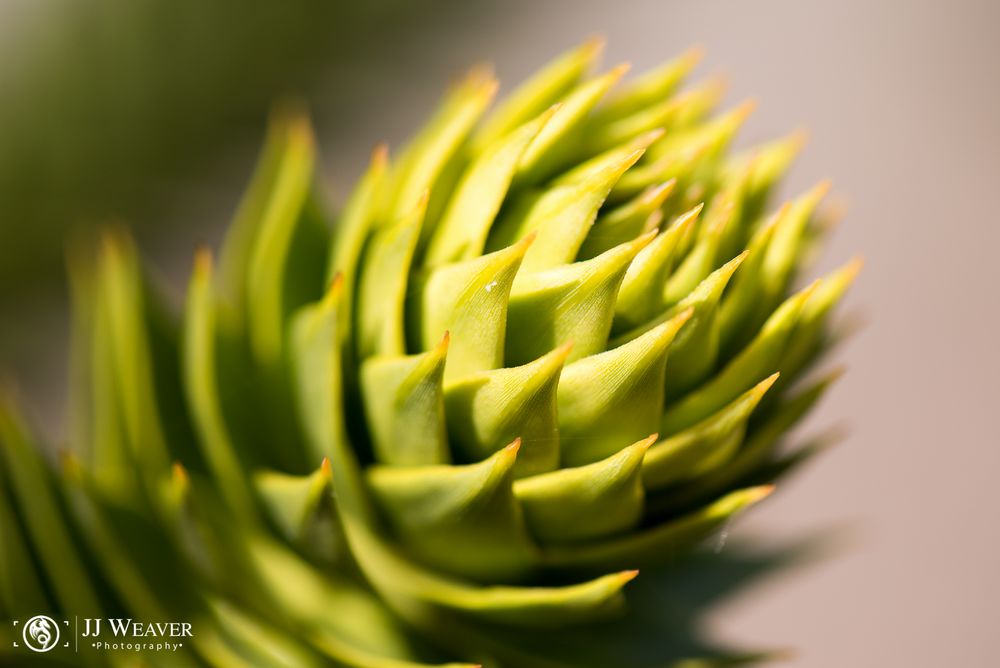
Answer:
(41, 633)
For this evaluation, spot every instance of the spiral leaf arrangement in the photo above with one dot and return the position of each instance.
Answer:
(548, 345)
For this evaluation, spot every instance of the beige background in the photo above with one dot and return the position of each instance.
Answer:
(902, 100)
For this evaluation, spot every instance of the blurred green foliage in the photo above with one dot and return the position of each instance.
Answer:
(107, 103)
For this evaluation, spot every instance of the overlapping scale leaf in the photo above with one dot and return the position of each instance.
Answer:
(202, 383)
(460, 519)
(286, 257)
(424, 165)
(554, 145)
(759, 359)
(574, 304)
(626, 222)
(659, 544)
(759, 291)
(462, 232)
(640, 299)
(546, 87)
(487, 410)
(560, 217)
(616, 397)
(303, 510)
(404, 407)
(585, 502)
(705, 446)
(383, 284)
(468, 300)
(649, 88)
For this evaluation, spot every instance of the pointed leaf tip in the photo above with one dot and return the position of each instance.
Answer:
(594, 45)
(658, 194)
(587, 502)
(203, 261)
(525, 242)
(693, 55)
(643, 239)
(808, 291)
(799, 138)
(854, 267)
(646, 139)
(553, 147)
(620, 70)
(761, 356)
(470, 299)
(820, 190)
(717, 84)
(404, 407)
(180, 477)
(743, 110)
(680, 319)
(425, 195)
(763, 386)
(380, 155)
(335, 286)
(563, 352)
(481, 75)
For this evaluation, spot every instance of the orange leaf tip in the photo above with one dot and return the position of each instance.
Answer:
(745, 108)
(442, 346)
(820, 190)
(693, 55)
(180, 474)
(422, 201)
(643, 239)
(763, 386)
(334, 290)
(799, 138)
(760, 493)
(524, 242)
(618, 71)
(594, 46)
(854, 267)
(563, 351)
(656, 195)
(380, 154)
(203, 261)
(647, 442)
(647, 138)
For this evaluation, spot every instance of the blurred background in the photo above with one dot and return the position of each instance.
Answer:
(151, 112)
